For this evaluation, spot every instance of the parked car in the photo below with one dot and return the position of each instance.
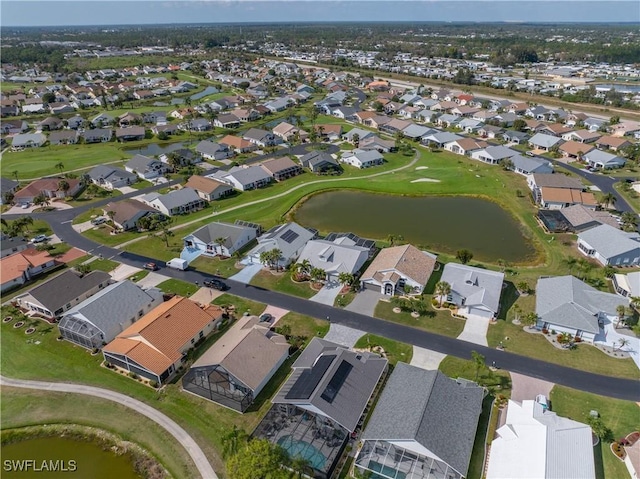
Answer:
(98, 221)
(25, 206)
(40, 239)
(216, 284)
(266, 318)
(150, 266)
(542, 400)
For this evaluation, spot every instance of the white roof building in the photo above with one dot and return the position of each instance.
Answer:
(338, 256)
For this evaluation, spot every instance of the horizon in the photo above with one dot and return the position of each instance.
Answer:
(118, 13)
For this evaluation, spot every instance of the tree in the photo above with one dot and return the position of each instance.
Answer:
(571, 263)
(220, 241)
(614, 120)
(519, 124)
(232, 441)
(83, 268)
(523, 287)
(584, 267)
(174, 160)
(25, 222)
(41, 200)
(478, 362)
(609, 271)
(635, 302)
(14, 173)
(442, 290)
(64, 186)
(111, 214)
(600, 429)
(258, 459)
(517, 310)
(59, 166)
(621, 311)
(356, 139)
(530, 319)
(301, 467)
(394, 239)
(8, 197)
(622, 342)
(346, 279)
(629, 221)
(464, 255)
(507, 164)
(318, 274)
(303, 268)
(609, 199)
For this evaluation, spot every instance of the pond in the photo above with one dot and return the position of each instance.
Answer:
(154, 149)
(444, 224)
(48, 453)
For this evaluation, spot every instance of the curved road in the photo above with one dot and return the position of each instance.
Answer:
(197, 455)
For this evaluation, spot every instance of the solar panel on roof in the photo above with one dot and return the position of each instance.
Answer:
(336, 382)
(310, 378)
(289, 236)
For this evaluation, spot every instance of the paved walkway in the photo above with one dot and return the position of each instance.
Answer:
(246, 274)
(612, 339)
(365, 302)
(152, 280)
(525, 387)
(19, 210)
(426, 358)
(123, 271)
(328, 294)
(475, 330)
(197, 454)
(343, 335)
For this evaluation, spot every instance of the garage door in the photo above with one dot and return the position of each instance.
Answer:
(371, 287)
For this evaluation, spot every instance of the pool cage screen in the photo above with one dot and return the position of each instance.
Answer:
(216, 384)
(80, 332)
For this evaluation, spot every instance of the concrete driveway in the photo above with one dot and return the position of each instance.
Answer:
(205, 295)
(246, 274)
(426, 358)
(152, 280)
(126, 189)
(18, 210)
(82, 227)
(277, 313)
(123, 271)
(475, 330)
(343, 335)
(525, 387)
(328, 294)
(365, 302)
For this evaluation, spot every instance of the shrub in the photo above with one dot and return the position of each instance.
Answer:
(434, 302)
(133, 375)
(153, 384)
(553, 331)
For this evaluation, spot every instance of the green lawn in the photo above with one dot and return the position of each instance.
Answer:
(630, 195)
(499, 382)
(87, 215)
(139, 275)
(344, 300)
(241, 304)
(440, 322)
(86, 197)
(282, 282)
(305, 326)
(394, 350)
(105, 265)
(584, 357)
(22, 408)
(622, 417)
(220, 267)
(177, 286)
(77, 261)
(139, 185)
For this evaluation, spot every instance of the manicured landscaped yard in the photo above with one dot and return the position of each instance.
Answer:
(282, 282)
(305, 326)
(87, 215)
(139, 275)
(105, 265)
(622, 417)
(241, 305)
(177, 286)
(440, 322)
(499, 381)
(394, 351)
(220, 267)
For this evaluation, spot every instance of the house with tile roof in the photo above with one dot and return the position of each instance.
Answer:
(98, 319)
(425, 430)
(237, 367)
(20, 267)
(475, 291)
(613, 143)
(610, 246)
(281, 168)
(569, 305)
(237, 144)
(398, 267)
(209, 189)
(536, 442)
(156, 345)
(574, 149)
(558, 198)
(127, 212)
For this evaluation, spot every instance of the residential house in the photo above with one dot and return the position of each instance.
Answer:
(517, 137)
(195, 124)
(288, 132)
(627, 285)
(261, 138)
(49, 124)
(525, 165)
(13, 127)
(99, 319)
(341, 255)
(558, 198)
(328, 132)
(603, 160)
(423, 430)
(228, 120)
(168, 129)
(355, 135)
(568, 305)
(101, 120)
(493, 154)
(237, 367)
(111, 178)
(209, 189)
(220, 239)
(535, 442)
(465, 146)
(130, 133)
(180, 157)
(237, 145)
(610, 246)
(127, 213)
(320, 162)
(97, 135)
(538, 181)
(475, 291)
(289, 238)
(374, 142)
(61, 293)
(7, 187)
(156, 345)
(146, 168)
(399, 269)
(362, 158)
(580, 218)
(281, 168)
(21, 141)
(176, 202)
(582, 136)
(13, 244)
(416, 132)
(490, 131)
(49, 187)
(613, 143)
(246, 115)
(244, 178)
(18, 268)
(65, 137)
(439, 139)
(574, 149)
(541, 141)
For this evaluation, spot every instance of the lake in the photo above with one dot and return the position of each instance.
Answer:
(444, 224)
(154, 149)
(50, 452)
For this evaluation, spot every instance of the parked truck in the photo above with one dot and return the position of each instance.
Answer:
(178, 263)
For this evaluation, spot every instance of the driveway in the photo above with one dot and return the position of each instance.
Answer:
(82, 227)
(365, 302)
(475, 330)
(246, 274)
(426, 358)
(343, 335)
(126, 189)
(18, 210)
(152, 280)
(328, 294)
(276, 312)
(612, 339)
(205, 295)
(525, 387)
(123, 271)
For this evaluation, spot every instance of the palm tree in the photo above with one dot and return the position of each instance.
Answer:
(507, 164)
(318, 274)
(346, 279)
(111, 214)
(165, 233)
(622, 342)
(635, 302)
(442, 290)
(609, 199)
(530, 319)
(26, 221)
(478, 362)
(571, 263)
(14, 173)
(303, 267)
(232, 440)
(301, 467)
(584, 267)
(220, 242)
(621, 310)
(64, 186)
(41, 200)
(609, 271)
(59, 166)
(516, 312)
(629, 221)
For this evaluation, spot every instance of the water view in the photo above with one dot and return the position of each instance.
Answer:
(444, 224)
(70, 458)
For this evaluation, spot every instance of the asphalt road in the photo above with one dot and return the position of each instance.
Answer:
(60, 222)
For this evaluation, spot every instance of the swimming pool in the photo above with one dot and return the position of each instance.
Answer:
(386, 470)
(297, 448)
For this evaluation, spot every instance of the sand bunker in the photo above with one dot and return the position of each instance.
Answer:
(427, 180)
(422, 168)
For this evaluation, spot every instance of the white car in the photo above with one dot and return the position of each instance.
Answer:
(25, 206)
(40, 239)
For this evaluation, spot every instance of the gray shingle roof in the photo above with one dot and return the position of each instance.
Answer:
(567, 301)
(430, 408)
(478, 286)
(109, 173)
(141, 163)
(531, 165)
(177, 198)
(246, 176)
(209, 233)
(65, 287)
(610, 242)
(545, 141)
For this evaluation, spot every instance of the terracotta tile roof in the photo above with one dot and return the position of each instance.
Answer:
(276, 165)
(235, 142)
(46, 184)
(157, 340)
(612, 141)
(12, 267)
(407, 260)
(206, 185)
(564, 195)
(471, 144)
(363, 115)
(573, 147)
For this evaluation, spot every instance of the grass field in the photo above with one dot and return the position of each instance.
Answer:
(241, 304)
(394, 351)
(440, 322)
(219, 267)
(105, 265)
(179, 287)
(283, 283)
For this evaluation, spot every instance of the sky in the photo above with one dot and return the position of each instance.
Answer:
(124, 12)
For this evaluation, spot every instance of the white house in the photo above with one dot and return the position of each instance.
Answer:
(220, 239)
(610, 246)
(176, 202)
(604, 160)
(334, 257)
(289, 238)
(493, 154)
(362, 158)
(146, 168)
(475, 291)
